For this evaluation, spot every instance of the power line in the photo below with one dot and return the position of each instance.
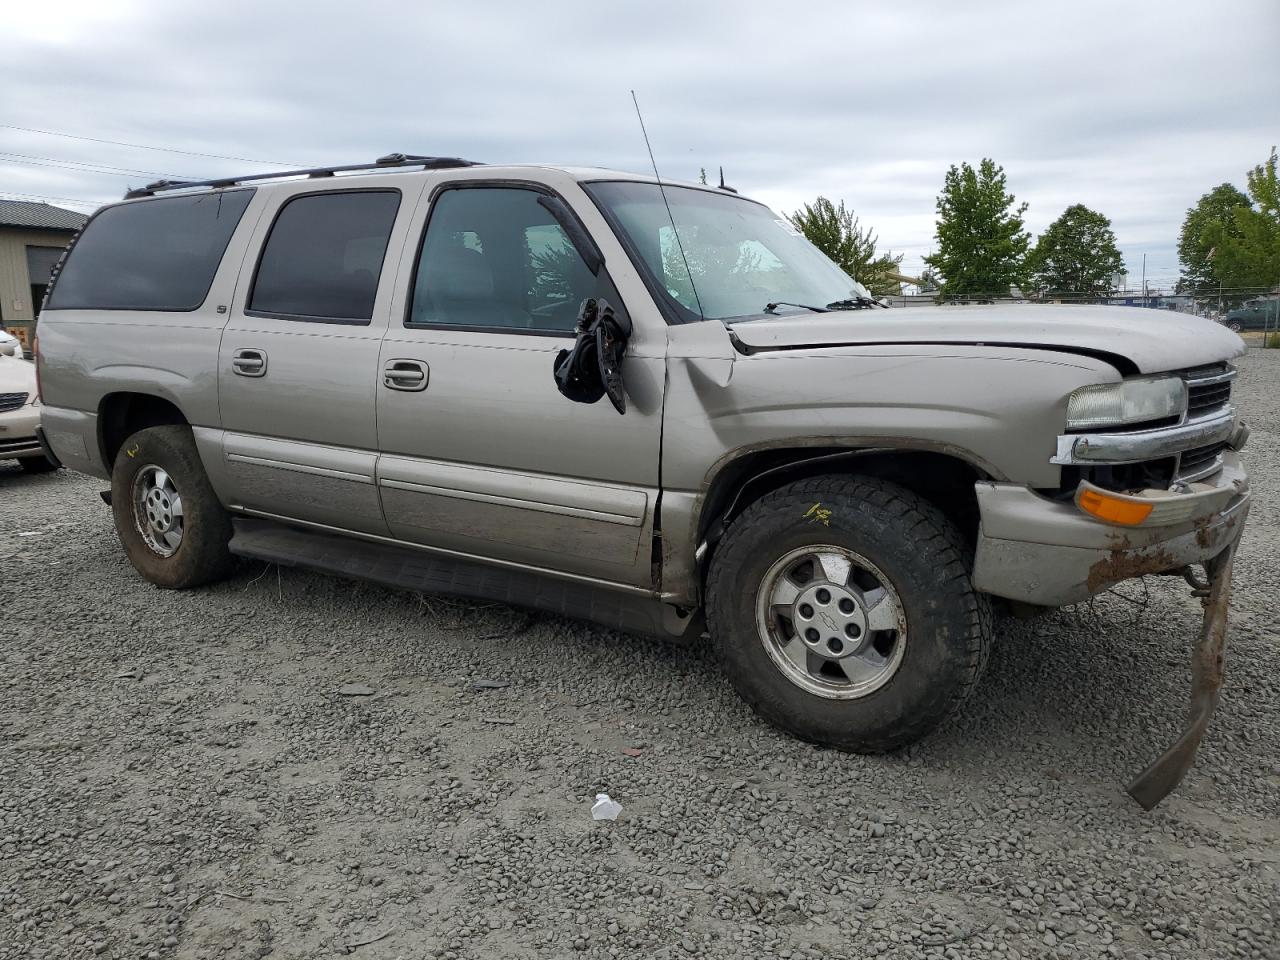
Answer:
(98, 171)
(38, 196)
(144, 146)
(98, 167)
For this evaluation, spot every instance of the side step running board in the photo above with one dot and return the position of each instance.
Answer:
(411, 569)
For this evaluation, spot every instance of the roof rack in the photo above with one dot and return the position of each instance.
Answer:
(390, 161)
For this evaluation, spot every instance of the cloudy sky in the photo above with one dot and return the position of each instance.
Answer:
(1133, 108)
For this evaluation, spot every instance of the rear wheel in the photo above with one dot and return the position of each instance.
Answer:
(845, 614)
(174, 530)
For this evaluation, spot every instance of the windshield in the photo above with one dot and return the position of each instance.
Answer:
(742, 257)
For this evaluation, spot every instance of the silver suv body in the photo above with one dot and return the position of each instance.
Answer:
(376, 373)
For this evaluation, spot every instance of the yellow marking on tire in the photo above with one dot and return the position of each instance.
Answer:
(818, 514)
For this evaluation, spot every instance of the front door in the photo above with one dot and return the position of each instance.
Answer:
(481, 455)
(298, 364)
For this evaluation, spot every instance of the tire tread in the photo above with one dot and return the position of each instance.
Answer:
(203, 556)
(934, 539)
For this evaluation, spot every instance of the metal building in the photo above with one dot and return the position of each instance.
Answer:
(32, 238)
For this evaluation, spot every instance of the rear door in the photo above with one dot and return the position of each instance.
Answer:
(481, 455)
(298, 363)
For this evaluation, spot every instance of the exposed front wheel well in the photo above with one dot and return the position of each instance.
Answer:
(120, 415)
(943, 480)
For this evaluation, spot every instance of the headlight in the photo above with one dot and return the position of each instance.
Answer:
(1129, 401)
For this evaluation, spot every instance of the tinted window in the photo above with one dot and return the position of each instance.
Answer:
(495, 257)
(324, 255)
(150, 255)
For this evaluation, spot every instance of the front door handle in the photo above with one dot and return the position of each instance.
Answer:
(249, 363)
(410, 375)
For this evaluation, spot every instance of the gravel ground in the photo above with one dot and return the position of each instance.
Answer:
(181, 776)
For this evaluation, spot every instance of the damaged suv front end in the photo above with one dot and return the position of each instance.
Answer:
(1152, 483)
(1104, 440)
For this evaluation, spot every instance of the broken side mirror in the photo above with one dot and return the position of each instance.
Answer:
(593, 367)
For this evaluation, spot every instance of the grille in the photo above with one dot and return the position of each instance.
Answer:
(1202, 400)
(11, 401)
(1208, 390)
(1199, 461)
(22, 443)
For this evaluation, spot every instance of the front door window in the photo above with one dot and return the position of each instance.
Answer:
(494, 257)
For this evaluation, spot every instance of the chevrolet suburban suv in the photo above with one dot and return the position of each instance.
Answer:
(395, 371)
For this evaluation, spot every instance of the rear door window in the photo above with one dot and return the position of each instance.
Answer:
(323, 257)
(156, 254)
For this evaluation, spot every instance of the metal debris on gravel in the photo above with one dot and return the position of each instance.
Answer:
(229, 765)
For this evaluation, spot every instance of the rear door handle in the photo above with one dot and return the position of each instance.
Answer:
(410, 375)
(249, 362)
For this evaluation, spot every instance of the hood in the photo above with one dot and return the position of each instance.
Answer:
(1131, 338)
(17, 376)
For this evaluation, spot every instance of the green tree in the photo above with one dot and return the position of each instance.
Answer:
(1247, 248)
(710, 259)
(1206, 225)
(1076, 254)
(836, 232)
(982, 242)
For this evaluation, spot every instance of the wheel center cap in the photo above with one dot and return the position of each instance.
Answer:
(159, 510)
(830, 620)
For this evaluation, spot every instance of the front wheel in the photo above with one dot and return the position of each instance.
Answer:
(174, 530)
(844, 612)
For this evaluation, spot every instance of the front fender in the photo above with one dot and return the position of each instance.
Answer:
(997, 409)
(1000, 409)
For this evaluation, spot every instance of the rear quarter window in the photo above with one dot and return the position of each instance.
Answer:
(156, 254)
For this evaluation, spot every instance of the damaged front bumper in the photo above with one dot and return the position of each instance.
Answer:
(1208, 665)
(1049, 553)
(1038, 551)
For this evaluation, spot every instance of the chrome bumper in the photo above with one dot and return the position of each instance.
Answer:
(1092, 449)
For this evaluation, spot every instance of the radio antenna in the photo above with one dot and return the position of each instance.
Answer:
(661, 189)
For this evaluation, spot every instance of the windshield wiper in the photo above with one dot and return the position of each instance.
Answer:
(773, 307)
(856, 303)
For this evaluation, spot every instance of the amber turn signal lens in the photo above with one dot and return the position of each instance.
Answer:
(1113, 509)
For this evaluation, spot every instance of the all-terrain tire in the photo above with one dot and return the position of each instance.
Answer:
(948, 624)
(202, 555)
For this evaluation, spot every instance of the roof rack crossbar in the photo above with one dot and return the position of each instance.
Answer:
(390, 161)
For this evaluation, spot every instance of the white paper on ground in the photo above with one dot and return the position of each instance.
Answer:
(605, 808)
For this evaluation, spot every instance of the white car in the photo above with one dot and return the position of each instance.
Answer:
(20, 415)
(10, 346)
